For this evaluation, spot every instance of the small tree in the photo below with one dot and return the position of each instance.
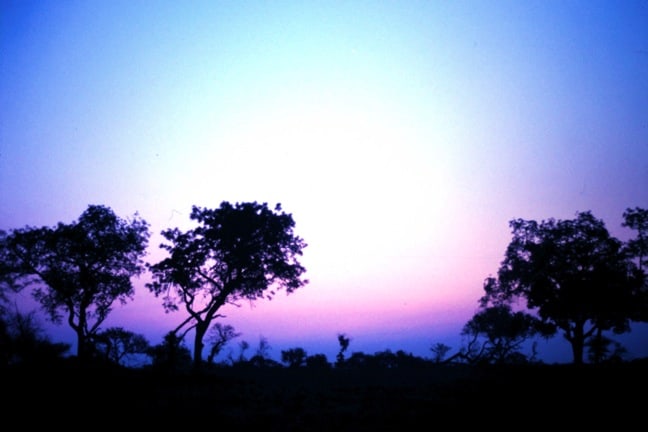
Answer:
(318, 361)
(238, 252)
(23, 340)
(503, 332)
(440, 351)
(294, 357)
(171, 355)
(119, 345)
(77, 271)
(261, 356)
(344, 342)
(219, 335)
(601, 349)
(241, 358)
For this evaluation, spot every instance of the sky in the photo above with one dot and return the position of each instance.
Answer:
(401, 136)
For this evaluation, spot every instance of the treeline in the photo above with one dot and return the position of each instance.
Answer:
(569, 277)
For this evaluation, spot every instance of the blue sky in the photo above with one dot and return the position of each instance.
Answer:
(402, 137)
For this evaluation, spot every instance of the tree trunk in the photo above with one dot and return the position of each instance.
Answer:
(578, 344)
(201, 329)
(82, 346)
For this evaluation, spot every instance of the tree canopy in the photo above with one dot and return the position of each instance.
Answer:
(77, 271)
(242, 251)
(637, 219)
(504, 333)
(573, 273)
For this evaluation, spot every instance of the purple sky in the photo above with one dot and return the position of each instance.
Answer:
(402, 137)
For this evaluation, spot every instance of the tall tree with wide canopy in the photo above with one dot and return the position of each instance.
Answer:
(573, 273)
(244, 251)
(77, 271)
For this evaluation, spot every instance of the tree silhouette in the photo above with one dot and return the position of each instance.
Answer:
(294, 357)
(171, 355)
(261, 356)
(318, 361)
(243, 347)
(637, 220)
(218, 336)
(78, 270)
(573, 273)
(440, 351)
(504, 333)
(119, 345)
(344, 342)
(601, 348)
(238, 252)
(23, 340)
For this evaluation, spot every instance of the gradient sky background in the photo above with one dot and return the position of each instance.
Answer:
(401, 136)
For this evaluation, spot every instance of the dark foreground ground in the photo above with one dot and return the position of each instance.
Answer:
(438, 397)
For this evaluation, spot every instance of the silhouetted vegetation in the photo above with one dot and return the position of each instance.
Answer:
(344, 342)
(384, 391)
(218, 336)
(294, 357)
(576, 276)
(497, 334)
(77, 271)
(238, 252)
(171, 355)
(121, 346)
(24, 342)
(570, 275)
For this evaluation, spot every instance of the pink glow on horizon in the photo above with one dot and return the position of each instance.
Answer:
(401, 136)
